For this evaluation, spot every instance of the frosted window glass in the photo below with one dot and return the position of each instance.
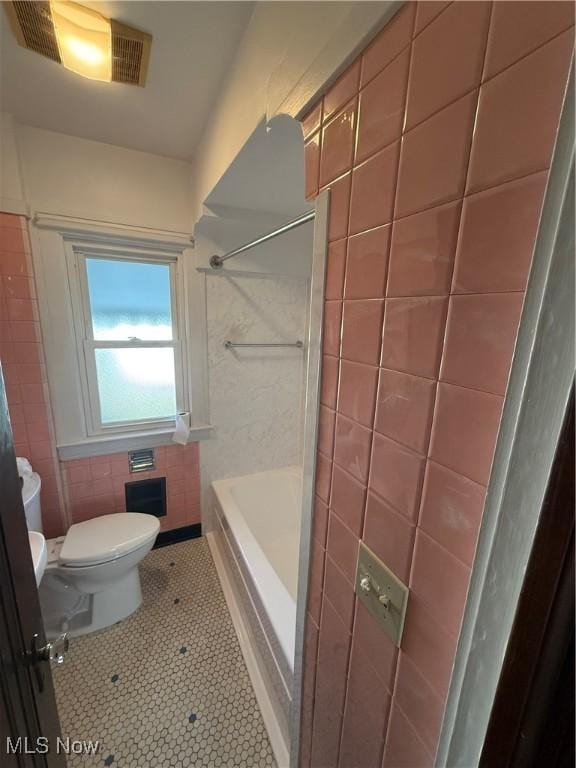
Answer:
(129, 299)
(136, 383)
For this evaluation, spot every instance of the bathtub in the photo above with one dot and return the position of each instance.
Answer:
(258, 531)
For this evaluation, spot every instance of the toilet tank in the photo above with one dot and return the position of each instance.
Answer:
(31, 498)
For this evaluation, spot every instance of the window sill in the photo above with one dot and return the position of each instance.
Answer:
(99, 446)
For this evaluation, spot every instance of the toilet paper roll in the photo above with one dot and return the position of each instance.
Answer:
(24, 466)
(182, 430)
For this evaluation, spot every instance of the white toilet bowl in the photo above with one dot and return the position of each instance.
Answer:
(91, 580)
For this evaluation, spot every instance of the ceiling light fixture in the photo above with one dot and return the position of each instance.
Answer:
(84, 39)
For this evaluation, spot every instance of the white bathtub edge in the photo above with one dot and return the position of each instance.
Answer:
(277, 740)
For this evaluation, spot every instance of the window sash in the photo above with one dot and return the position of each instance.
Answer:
(89, 345)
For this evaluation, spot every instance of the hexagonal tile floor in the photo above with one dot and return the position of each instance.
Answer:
(168, 686)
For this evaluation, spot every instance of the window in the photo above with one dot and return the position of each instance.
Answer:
(130, 341)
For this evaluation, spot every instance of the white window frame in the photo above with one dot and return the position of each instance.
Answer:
(87, 345)
(57, 244)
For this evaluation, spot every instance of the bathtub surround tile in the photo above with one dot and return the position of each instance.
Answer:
(480, 337)
(371, 642)
(348, 499)
(381, 108)
(344, 89)
(208, 688)
(332, 323)
(451, 510)
(372, 196)
(427, 12)
(436, 572)
(312, 121)
(468, 450)
(362, 732)
(518, 115)
(312, 164)
(434, 158)
(326, 728)
(365, 685)
(367, 263)
(339, 207)
(396, 475)
(333, 652)
(316, 580)
(362, 330)
(323, 476)
(518, 29)
(352, 447)
(389, 535)
(389, 43)
(404, 748)
(340, 593)
(422, 252)
(436, 81)
(421, 704)
(335, 268)
(357, 391)
(342, 547)
(404, 408)
(497, 237)
(413, 335)
(326, 422)
(320, 521)
(338, 144)
(329, 381)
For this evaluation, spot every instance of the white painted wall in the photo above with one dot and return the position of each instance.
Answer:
(256, 407)
(75, 177)
(12, 198)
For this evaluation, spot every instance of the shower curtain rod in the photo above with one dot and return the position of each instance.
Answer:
(216, 262)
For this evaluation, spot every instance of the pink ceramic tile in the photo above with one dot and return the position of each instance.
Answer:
(326, 728)
(30, 373)
(374, 644)
(316, 580)
(22, 309)
(335, 268)
(13, 263)
(396, 474)
(437, 80)
(519, 28)
(497, 236)
(312, 165)
(518, 116)
(10, 220)
(464, 431)
(480, 337)
(367, 263)
(333, 651)
(338, 144)
(389, 535)
(33, 392)
(422, 252)
(5, 331)
(326, 421)
(427, 12)
(348, 497)
(362, 331)
(320, 521)
(362, 736)
(78, 474)
(373, 184)
(434, 158)
(27, 352)
(357, 393)
(323, 476)
(394, 38)
(420, 703)
(18, 287)
(365, 685)
(381, 108)
(12, 240)
(312, 121)
(339, 591)
(404, 408)
(436, 572)
(430, 648)
(404, 747)
(331, 331)
(342, 547)
(413, 335)
(451, 510)
(339, 207)
(352, 447)
(329, 385)
(343, 90)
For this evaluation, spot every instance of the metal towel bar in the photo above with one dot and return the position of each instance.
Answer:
(232, 344)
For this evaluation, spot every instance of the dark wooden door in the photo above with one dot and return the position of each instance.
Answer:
(28, 704)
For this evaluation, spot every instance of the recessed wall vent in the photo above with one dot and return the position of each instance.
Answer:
(33, 28)
(141, 461)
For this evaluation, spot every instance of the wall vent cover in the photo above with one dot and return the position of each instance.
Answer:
(33, 28)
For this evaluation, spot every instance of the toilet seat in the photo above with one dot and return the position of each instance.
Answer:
(106, 538)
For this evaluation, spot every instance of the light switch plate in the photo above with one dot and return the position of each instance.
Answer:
(383, 594)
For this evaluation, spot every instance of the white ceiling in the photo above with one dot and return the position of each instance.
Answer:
(193, 46)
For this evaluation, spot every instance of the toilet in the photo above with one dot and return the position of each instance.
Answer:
(91, 579)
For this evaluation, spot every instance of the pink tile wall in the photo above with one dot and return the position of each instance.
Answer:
(436, 145)
(77, 490)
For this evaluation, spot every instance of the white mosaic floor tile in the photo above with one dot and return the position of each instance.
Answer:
(167, 687)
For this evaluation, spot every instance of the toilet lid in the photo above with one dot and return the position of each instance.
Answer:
(107, 538)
